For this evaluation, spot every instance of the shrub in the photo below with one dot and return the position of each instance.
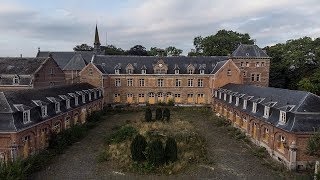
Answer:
(138, 147)
(313, 146)
(166, 114)
(122, 134)
(148, 115)
(13, 170)
(159, 114)
(171, 150)
(170, 102)
(155, 153)
(94, 116)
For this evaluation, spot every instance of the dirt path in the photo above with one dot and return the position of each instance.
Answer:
(230, 159)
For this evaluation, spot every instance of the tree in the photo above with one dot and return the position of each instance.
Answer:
(138, 147)
(166, 114)
(171, 150)
(113, 50)
(154, 51)
(83, 47)
(173, 51)
(155, 153)
(158, 114)
(148, 115)
(137, 50)
(221, 44)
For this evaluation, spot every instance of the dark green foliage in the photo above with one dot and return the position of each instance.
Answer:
(13, 170)
(313, 146)
(122, 134)
(171, 150)
(170, 102)
(166, 114)
(155, 153)
(138, 147)
(158, 114)
(148, 115)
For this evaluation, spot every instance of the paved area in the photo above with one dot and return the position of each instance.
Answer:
(230, 158)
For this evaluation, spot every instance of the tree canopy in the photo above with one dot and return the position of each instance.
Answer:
(113, 50)
(137, 50)
(83, 47)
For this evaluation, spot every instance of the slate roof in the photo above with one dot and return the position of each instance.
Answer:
(76, 63)
(11, 117)
(20, 66)
(251, 51)
(303, 108)
(63, 58)
(109, 63)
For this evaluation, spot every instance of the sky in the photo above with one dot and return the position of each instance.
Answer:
(59, 25)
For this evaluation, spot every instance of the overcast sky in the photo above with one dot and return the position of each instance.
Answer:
(59, 25)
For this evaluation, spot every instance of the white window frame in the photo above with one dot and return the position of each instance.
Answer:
(178, 82)
(266, 112)
(117, 82)
(190, 82)
(230, 98)
(160, 82)
(237, 101)
(57, 107)
(283, 117)
(141, 83)
(225, 96)
(90, 71)
(143, 71)
(26, 116)
(95, 94)
(201, 71)
(67, 103)
(89, 96)
(16, 80)
(200, 82)
(190, 71)
(130, 71)
(216, 94)
(254, 107)
(220, 94)
(116, 71)
(44, 112)
(229, 72)
(83, 98)
(176, 71)
(130, 82)
(245, 102)
(76, 101)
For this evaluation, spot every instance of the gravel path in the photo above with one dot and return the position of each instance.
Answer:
(230, 158)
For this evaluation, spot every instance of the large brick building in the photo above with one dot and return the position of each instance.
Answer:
(28, 117)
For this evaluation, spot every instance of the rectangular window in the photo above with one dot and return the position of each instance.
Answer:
(130, 82)
(68, 103)
(258, 77)
(190, 82)
(177, 95)
(176, 71)
(237, 101)
(266, 111)
(262, 64)
(229, 72)
(141, 82)
(252, 77)
(245, 104)
(44, 111)
(257, 64)
(216, 93)
(283, 117)
(52, 71)
(129, 71)
(117, 82)
(95, 94)
(225, 96)
(57, 107)
(201, 71)
(117, 71)
(76, 101)
(230, 98)
(143, 71)
(190, 71)
(190, 95)
(83, 98)
(220, 94)
(244, 73)
(160, 82)
(141, 95)
(200, 82)
(89, 96)
(254, 107)
(178, 82)
(242, 64)
(26, 116)
(247, 64)
(90, 71)
(129, 95)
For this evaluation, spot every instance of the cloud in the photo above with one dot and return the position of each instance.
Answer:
(62, 25)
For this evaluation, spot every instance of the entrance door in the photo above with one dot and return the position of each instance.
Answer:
(190, 99)
(129, 98)
(152, 98)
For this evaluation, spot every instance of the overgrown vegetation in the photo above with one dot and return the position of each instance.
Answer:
(58, 143)
(159, 114)
(166, 114)
(148, 115)
(138, 148)
(313, 146)
(121, 135)
(171, 150)
(155, 153)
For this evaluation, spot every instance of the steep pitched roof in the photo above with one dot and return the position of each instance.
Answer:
(108, 63)
(20, 66)
(251, 51)
(76, 63)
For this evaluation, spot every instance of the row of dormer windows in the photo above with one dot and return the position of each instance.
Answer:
(282, 116)
(158, 71)
(160, 82)
(57, 106)
(247, 64)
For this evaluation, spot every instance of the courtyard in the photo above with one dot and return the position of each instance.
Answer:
(227, 157)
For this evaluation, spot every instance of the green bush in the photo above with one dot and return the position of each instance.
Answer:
(13, 170)
(155, 153)
(166, 114)
(158, 114)
(148, 115)
(313, 146)
(122, 134)
(95, 116)
(170, 102)
(171, 150)
(138, 147)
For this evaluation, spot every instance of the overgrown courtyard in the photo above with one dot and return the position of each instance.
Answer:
(207, 148)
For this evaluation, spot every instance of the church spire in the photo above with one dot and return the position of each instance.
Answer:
(96, 40)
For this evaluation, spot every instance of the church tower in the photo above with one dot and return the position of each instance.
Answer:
(96, 43)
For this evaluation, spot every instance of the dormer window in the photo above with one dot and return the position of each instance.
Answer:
(129, 71)
(100, 93)
(26, 117)
(254, 107)
(16, 80)
(143, 71)
(176, 71)
(89, 96)
(44, 112)
(266, 111)
(95, 94)
(117, 71)
(220, 94)
(216, 94)
(67, 103)
(90, 71)
(57, 107)
(229, 72)
(245, 104)
(283, 117)
(190, 71)
(201, 71)
(230, 99)
(76, 101)
(237, 101)
(225, 96)
(83, 98)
